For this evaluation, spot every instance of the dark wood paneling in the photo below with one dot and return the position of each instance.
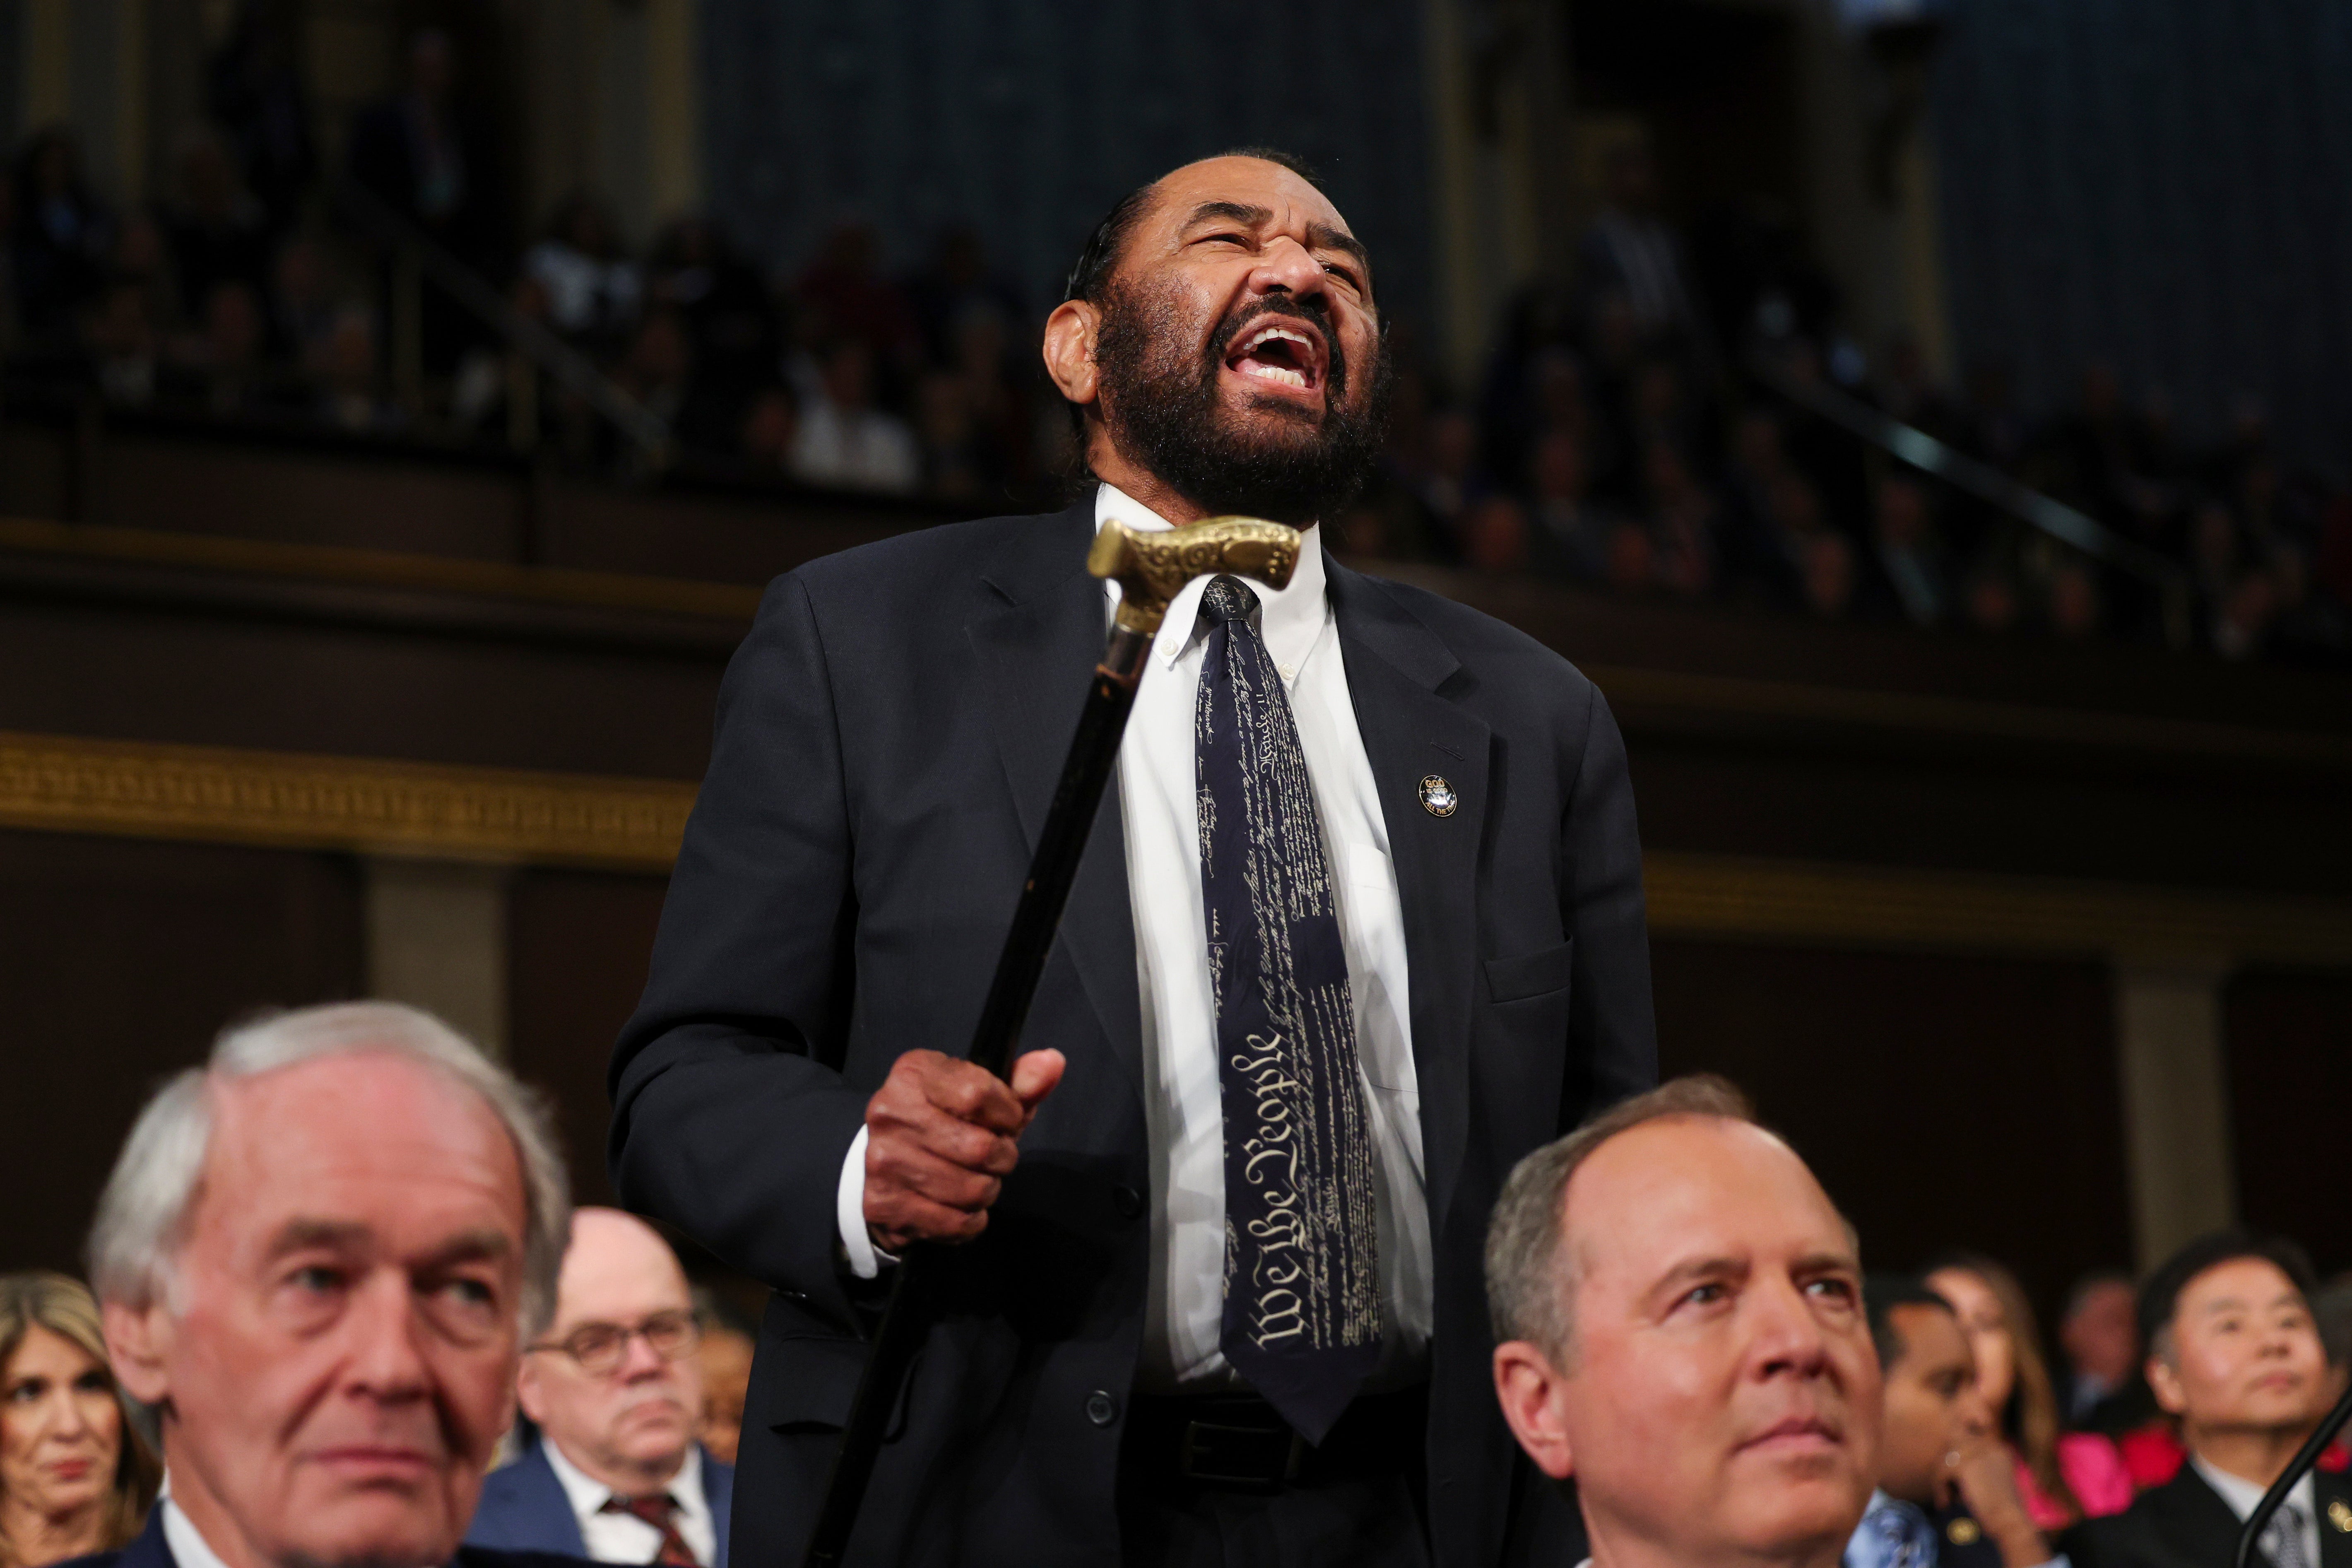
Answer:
(1944, 1102)
(2290, 1104)
(119, 961)
(579, 944)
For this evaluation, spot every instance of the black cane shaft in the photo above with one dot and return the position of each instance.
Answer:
(2250, 1538)
(995, 1041)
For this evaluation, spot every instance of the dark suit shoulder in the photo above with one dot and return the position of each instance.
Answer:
(95, 1559)
(919, 558)
(2183, 1523)
(492, 1557)
(1503, 660)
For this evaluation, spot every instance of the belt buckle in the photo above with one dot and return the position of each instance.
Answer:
(1219, 1454)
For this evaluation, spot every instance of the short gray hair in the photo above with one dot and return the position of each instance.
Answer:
(142, 1215)
(1530, 1280)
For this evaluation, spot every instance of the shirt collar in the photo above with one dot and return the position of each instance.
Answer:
(189, 1548)
(1289, 619)
(2242, 1495)
(589, 1495)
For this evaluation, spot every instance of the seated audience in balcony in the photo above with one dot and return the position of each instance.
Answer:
(255, 91)
(216, 231)
(615, 1390)
(844, 441)
(1946, 1493)
(593, 291)
(844, 296)
(731, 324)
(2235, 1359)
(59, 237)
(76, 1475)
(1910, 581)
(2063, 1476)
(319, 1256)
(344, 368)
(123, 345)
(1571, 531)
(1680, 1328)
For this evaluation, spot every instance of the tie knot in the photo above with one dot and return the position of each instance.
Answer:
(1225, 600)
(654, 1509)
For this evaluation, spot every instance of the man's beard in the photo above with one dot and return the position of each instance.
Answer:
(1163, 412)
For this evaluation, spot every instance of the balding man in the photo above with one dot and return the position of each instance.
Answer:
(1440, 899)
(319, 1256)
(615, 1390)
(1683, 1334)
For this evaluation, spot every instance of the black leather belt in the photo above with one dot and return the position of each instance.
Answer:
(1237, 1442)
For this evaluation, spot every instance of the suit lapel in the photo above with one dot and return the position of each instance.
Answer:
(2198, 1521)
(1395, 667)
(149, 1549)
(1037, 641)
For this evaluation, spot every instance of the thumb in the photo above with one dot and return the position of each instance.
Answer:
(1034, 1076)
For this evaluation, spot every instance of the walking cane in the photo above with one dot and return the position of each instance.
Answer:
(1149, 569)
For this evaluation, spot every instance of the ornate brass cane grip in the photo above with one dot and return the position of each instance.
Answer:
(1152, 568)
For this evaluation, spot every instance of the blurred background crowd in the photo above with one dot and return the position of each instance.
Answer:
(1679, 416)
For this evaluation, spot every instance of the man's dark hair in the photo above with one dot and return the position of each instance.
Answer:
(2159, 1298)
(1881, 1295)
(1099, 258)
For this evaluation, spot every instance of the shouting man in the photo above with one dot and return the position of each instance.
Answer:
(1444, 883)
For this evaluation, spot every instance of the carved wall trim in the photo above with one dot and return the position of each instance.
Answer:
(1818, 903)
(63, 783)
(282, 800)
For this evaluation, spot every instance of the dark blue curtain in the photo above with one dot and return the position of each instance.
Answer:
(1029, 118)
(2165, 186)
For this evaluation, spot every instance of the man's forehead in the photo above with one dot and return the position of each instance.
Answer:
(1244, 181)
(2240, 1282)
(363, 1126)
(1685, 1188)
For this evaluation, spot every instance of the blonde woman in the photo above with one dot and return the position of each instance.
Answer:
(2065, 1477)
(75, 1475)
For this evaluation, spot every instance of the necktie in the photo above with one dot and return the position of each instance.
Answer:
(2283, 1542)
(1302, 1316)
(660, 1510)
(1893, 1535)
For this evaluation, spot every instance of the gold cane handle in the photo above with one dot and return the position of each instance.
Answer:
(1152, 568)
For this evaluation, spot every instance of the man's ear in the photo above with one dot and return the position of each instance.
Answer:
(529, 1393)
(1069, 350)
(138, 1343)
(2165, 1384)
(1528, 1386)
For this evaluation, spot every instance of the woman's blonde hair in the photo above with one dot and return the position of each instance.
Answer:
(2029, 1419)
(63, 1307)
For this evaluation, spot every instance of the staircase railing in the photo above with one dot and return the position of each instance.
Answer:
(2167, 579)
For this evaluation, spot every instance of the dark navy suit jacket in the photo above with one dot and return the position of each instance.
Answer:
(525, 1508)
(151, 1551)
(889, 735)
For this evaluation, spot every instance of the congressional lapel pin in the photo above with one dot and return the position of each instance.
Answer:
(1964, 1532)
(1437, 796)
(2339, 1514)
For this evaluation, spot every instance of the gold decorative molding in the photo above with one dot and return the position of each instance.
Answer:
(290, 801)
(1817, 903)
(284, 800)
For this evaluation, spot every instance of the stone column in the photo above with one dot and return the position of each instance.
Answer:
(436, 939)
(2176, 1102)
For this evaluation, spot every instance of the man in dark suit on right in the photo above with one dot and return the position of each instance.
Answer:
(2234, 1356)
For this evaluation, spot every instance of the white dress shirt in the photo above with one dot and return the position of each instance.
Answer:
(1183, 1115)
(624, 1537)
(189, 1548)
(2243, 1495)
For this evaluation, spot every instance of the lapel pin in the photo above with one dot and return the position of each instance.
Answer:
(1437, 796)
(1964, 1530)
(2339, 1514)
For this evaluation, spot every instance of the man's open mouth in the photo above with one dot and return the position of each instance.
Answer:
(1288, 353)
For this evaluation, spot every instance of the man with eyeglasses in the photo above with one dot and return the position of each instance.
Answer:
(617, 1393)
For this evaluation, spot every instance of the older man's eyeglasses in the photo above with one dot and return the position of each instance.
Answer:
(599, 1349)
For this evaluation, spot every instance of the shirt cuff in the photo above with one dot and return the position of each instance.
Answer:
(866, 1260)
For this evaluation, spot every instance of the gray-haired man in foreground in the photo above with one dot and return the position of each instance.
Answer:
(1679, 1322)
(318, 1256)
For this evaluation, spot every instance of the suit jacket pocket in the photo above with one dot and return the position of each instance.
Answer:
(1536, 973)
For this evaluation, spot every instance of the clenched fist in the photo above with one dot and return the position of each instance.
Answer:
(940, 1141)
